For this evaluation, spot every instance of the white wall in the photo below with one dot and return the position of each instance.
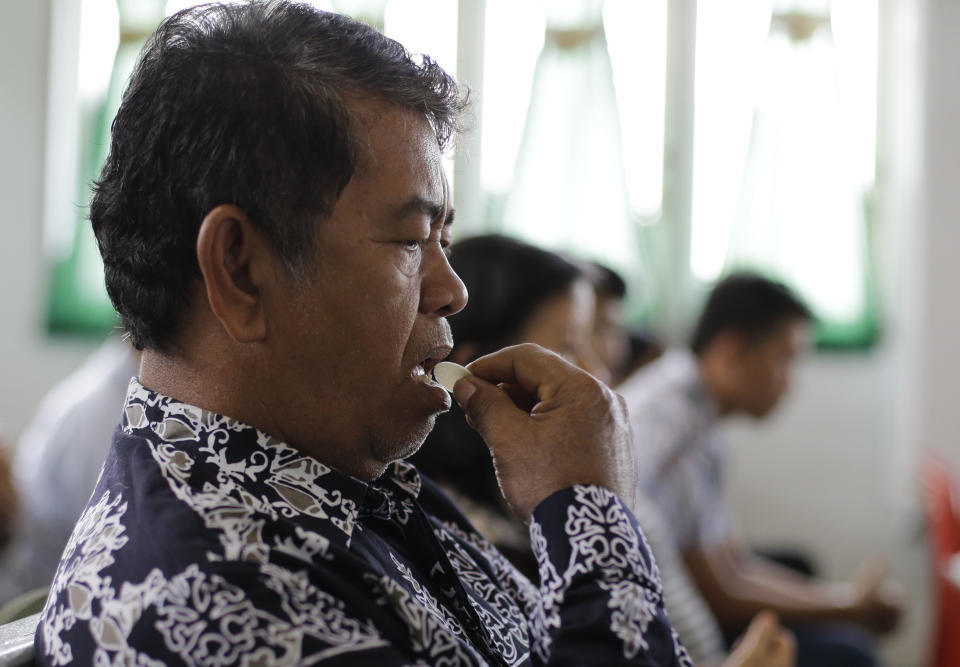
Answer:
(29, 360)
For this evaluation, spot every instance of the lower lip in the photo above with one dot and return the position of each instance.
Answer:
(438, 393)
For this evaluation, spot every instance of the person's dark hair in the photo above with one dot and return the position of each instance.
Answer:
(747, 303)
(607, 282)
(506, 280)
(244, 104)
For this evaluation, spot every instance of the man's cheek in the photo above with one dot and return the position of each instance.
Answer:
(405, 264)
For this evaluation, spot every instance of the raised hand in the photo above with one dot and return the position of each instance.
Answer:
(765, 644)
(548, 424)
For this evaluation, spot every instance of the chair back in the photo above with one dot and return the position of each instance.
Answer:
(943, 519)
(16, 641)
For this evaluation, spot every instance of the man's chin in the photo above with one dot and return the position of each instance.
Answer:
(408, 445)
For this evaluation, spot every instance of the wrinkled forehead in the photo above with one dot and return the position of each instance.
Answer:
(398, 161)
(381, 128)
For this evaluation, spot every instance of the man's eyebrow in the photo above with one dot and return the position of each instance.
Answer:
(418, 205)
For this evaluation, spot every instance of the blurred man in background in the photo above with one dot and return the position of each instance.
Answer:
(747, 337)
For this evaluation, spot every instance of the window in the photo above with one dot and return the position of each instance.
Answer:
(784, 153)
(575, 129)
(111, 35)
(585, 174)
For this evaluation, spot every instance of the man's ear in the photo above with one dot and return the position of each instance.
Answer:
(234, 259)
(730, 345)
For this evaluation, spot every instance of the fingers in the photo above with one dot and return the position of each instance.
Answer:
(528, 366)
(888, 607)
(783, 648)
(872, 573)
(879, 600)
(762, 628)
(764, 643)
(487, 407)
(893, 594)
(548, 424)
(520, 398)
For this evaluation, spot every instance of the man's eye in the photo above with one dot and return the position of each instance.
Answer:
(414, 245)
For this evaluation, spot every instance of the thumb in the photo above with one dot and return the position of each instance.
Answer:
(488, 408)
(762, 628)
(872, 573)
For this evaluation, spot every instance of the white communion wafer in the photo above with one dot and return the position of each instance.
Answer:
(447, 373)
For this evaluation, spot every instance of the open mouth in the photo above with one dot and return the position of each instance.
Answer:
(429, 364)
(423, 372)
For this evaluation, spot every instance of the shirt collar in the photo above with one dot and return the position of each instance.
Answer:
(297, 485)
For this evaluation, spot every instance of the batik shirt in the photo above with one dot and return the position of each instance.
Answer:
(209, 542)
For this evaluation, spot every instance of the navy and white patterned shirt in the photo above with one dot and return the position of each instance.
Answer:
(209, 542)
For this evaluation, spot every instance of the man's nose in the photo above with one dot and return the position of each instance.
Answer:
(442, 289)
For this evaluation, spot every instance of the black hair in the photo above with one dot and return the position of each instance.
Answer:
(607, 282)
(506, 280)
(749, 304)
(244, 104)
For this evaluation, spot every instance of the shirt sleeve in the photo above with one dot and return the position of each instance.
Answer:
(705, 488)
(601, 600)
